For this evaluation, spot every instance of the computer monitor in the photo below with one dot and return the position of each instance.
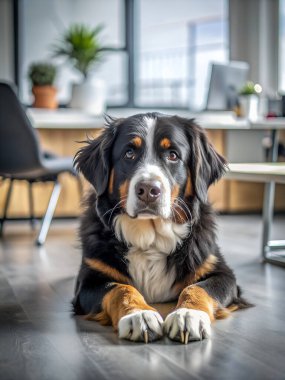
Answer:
(226, 80)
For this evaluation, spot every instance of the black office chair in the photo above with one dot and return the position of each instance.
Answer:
(21, 158)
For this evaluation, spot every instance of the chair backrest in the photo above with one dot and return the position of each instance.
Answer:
(19, 144)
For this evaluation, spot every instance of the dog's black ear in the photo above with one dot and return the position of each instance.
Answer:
(206, 164)
(94, 159)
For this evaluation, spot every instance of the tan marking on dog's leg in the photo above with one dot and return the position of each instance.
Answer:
(195, 297)
(120, 301)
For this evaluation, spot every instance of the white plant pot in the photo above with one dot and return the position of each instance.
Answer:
(249, 106)
(89, 97)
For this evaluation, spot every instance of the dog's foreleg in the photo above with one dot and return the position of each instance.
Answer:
(125, 308)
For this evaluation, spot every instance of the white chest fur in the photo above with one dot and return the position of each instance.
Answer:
(151, 242)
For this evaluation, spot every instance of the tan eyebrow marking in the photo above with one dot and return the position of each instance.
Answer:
(137, 141)
(165, 143)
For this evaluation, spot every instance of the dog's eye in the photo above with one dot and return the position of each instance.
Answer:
(172, 156)
(130, 154)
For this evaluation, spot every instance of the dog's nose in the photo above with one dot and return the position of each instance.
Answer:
(148, 191)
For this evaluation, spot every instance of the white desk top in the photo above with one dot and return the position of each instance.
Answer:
(257, 172)
(65, 118)
(270, 123)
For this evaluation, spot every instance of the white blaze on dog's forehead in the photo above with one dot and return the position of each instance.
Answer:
(150, 124)
(149, 121)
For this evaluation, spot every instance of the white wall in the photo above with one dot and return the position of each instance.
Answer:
(282, 47)
(254, 32)
(6, 41)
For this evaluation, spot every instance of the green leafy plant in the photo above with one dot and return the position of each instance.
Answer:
(248, 89)
(80, 44)
(42, 74)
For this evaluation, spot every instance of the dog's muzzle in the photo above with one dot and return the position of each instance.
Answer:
(149, 194)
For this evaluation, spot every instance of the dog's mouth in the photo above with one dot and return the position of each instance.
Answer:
(146, 213)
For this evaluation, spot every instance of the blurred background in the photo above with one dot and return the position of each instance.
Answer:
(162, 49)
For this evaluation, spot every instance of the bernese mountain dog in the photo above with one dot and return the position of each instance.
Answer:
(148, 231)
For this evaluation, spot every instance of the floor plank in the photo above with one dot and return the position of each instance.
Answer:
(40, 339)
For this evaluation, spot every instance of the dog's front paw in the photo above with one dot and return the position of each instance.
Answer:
(185, 325)
(141, 326)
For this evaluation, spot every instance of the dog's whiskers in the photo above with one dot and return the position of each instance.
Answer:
(183, 203)
(116, 205)
(114, 208)
(182, 209)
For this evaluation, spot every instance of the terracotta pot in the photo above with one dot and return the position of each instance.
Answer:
(45, 97)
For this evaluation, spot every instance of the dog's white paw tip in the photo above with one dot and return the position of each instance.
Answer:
(187, 325)
(143, 326)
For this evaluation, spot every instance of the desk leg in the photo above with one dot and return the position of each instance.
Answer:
(268, 200)
(268, 209)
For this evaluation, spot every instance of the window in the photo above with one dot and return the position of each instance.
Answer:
(43, 21)
(177, 42)
(164, 62)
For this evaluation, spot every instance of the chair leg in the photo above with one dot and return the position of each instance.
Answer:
(49, 214)
(7, 202)
(31, 205)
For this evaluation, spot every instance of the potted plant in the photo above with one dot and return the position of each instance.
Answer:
(249, 100)
(81, 45)
(42, 76)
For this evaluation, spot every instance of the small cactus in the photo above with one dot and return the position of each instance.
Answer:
(42, 74)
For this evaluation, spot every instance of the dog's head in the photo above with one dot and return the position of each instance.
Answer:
(150, 166)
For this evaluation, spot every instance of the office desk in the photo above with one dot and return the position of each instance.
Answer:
(62, 130)
(270, 173)
(65, 118)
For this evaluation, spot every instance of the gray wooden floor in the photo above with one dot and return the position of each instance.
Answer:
(39, 339)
